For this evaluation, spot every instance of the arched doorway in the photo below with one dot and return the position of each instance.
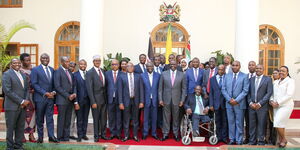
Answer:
(271, 48)
(180, 38)
(67, 42)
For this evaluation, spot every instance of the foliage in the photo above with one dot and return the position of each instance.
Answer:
(5, 38)
(298, 62)
(220, 56)
(107, 62)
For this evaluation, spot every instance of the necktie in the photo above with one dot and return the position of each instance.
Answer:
(131, 85)
(208, 82)
(20, 78)
(251, 75)
(173, 78)
(84, 75)
(256, 87)
(100, 76)
(115, 76)
(201, 109)
(68, 75)
(196, 74)
(157, 70)
(220, 82)
(233, 83)
(48, 73)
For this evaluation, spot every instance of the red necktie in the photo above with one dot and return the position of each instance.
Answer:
(100, 75)
(208, 83)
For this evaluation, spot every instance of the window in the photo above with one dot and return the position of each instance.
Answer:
(271, 48)
(16, 49)
(67, 42)
(11, 3)
(180, 38)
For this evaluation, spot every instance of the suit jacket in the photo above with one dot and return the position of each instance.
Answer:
(206, 78)
(239, 92)
(63, 86)
(167, 67)
(149, 90)
(138, 69)
(264, 92)
(123, 89)
(167, 92)
(190, 79)
(111, 86)
(216, 98)
(40, 83)
(14, 92)
(160, 69)
(96, 89)
(190, 102)
(81, 89)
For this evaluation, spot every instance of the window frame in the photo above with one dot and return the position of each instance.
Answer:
(9, 5)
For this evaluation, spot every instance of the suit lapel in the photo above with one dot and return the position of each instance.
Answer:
(43, 72)
(261, 82)
(17, 78)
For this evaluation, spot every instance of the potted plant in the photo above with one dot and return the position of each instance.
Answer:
(107, 62)
(220, 56)
(5, 38)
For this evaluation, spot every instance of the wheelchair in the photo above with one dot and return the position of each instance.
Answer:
(186, 129)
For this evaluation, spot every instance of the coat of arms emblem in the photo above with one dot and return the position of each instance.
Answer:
(169, 13)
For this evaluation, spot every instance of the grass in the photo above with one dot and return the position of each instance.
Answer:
(52, 146)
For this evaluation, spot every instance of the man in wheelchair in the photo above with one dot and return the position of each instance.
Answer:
(197, 107)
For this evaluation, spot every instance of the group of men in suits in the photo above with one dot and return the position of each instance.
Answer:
(161, 92)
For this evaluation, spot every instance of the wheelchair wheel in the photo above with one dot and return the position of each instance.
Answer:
(183, 127)
(213, 140)
(186, 140)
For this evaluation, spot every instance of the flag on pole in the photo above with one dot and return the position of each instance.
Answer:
(168, 44)
(150, 56)
(188, 52)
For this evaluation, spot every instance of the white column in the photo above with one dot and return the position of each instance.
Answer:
(247, 32)
(91, 30)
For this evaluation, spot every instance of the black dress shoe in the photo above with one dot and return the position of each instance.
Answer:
(105, 138)
(136, 138)
(85, 138)
(224, 141)
(118, 137)
(78, 139)
(96, 140)
(125, 139)
(144, 137)
(40, 140)
(53, 139)
(177, 139)
(155, 137)
(231, 143)
(164, 138)
(73, 137)
(246, 141)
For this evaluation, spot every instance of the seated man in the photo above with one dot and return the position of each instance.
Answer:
(198, 107)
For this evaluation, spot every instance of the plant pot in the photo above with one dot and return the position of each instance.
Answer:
(1, 103)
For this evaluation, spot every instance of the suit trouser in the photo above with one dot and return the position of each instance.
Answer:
(160, 117)
(15, 123)
(170, 110)
(64, 121)
(150, 114)
(257, 125)
(114, 118)
(73, 125)
(235, 117)
(132, 111)
(247, 135)
(44, 109)
(82, 119)
(221, 124)
(99, 120)
(196, 119)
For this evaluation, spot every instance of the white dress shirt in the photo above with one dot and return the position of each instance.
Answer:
(45, 70)
(253, 75)
(129, 83)
(142, 67)
(82, 74)
(20, 77)
(157, 69)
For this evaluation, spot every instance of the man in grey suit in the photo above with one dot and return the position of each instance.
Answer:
(95, 84)
(64, 84)
(212, 71)
(235, 90)
(172, 92)
(15, 86)
(260, 91)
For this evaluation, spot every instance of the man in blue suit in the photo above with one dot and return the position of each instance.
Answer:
(141, 67)
(217, 104)
(156, 63)
(194, 76)
(114, 112)
(130, 100)
(235, 90)
(83, 101)
(41, 79)
(150, 81)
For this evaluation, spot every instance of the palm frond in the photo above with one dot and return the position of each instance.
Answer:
(2, 33)
(15, 28)
(5, 61)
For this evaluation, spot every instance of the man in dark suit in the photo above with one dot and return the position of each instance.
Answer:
(95, 80)
(130, 100)
(159, 69)
(141, 67)
(162, 61)
(217, 104)
(261, 89)
(41, 79)
(198, 107)
(83, 101)
(150, 81)
(156, 63)
(15, 87)
(172, 92)
(114, 112)
(235, 90)
(167, 66)
(72, 69)
(65, 86)
(212, 71)
(194, 76)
